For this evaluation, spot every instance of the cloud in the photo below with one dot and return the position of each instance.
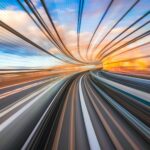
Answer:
(35, 2)
(11, 7)
(10, 61)
(21, 22)
(70, 39)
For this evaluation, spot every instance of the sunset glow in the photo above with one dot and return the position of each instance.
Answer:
(103, 36)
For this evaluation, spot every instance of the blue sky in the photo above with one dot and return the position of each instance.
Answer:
(64, 14)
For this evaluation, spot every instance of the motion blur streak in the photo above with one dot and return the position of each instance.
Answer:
(74, 74)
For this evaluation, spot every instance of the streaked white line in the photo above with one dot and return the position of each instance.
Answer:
(41, 119)
(135, 121)
(9, 86)
(23, 109)
(4, 95)
(142, 95)
(93, 141)
(22, 101)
